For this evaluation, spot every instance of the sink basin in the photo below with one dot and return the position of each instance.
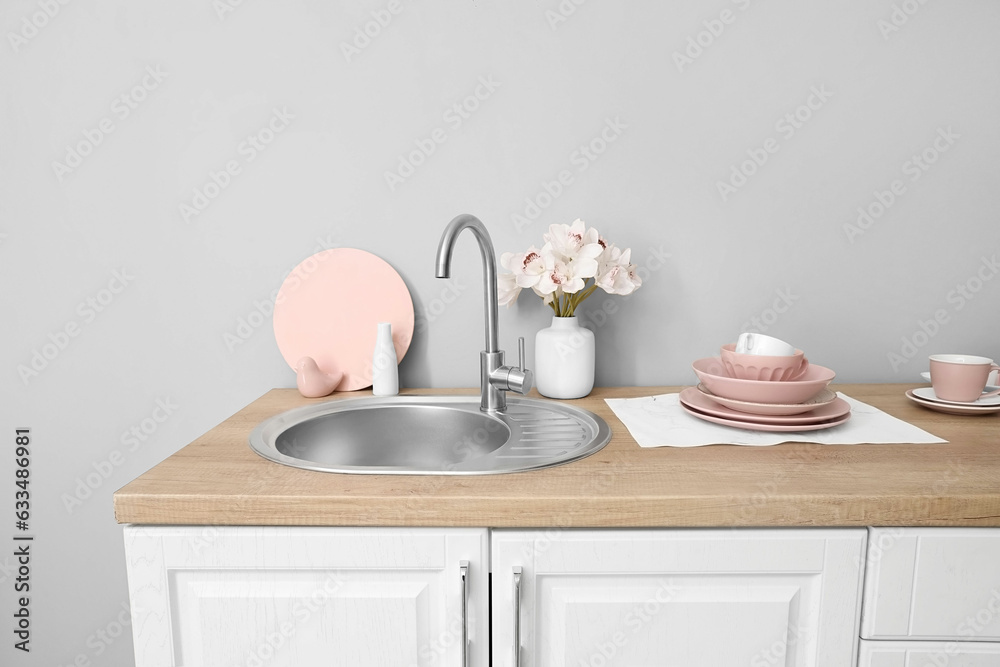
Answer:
(429, 435)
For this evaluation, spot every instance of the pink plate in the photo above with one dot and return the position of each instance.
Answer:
(329, 307)
(776, 428)
(824, 397)
(712, 374)
(696, 400)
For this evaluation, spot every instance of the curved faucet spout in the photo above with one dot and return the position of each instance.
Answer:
(443, 270)
(494, 377)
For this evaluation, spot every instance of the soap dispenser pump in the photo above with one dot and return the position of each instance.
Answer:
(385, 366)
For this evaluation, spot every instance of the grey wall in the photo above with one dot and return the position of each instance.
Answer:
(779, 249)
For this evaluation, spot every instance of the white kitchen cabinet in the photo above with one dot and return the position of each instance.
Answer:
(928, 654)
(302, 597)
(755, 597)
(353, 597)
(933, 584)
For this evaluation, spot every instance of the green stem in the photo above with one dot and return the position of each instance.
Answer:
(574, 300)
(583, 294)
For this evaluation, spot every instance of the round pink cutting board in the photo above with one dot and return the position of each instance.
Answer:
(329, 307)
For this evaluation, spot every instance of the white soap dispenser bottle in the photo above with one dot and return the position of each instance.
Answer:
(385, 368)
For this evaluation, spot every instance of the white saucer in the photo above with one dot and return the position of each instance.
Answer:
(953, 409)
(927, 393)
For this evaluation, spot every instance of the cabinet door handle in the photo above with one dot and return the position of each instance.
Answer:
(463, 566)
(517, 616)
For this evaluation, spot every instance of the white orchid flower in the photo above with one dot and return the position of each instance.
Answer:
(574, 242)
(561, 271)
(616, 274)
(527, 267)
(507, 289)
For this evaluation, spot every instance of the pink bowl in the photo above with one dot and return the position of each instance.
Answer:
(763, 367)
(712, 374)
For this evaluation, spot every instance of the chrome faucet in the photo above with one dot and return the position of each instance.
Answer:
(495, 378)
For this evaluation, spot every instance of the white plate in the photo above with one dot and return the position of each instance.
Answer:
(927, 393)
(948, 408)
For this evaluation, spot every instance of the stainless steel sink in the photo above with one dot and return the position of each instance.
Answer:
(429, 435)
(439, 435)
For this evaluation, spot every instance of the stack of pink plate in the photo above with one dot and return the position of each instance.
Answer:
(800, 404)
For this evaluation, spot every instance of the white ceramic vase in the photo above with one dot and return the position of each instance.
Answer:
(564, 359)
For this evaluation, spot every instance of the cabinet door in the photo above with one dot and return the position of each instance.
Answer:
(677, 598)
(283, 597)
(931, 654)
(932, 583)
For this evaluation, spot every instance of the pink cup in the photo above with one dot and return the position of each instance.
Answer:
(961, 377)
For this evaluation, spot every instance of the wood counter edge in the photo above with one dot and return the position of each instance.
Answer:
(169, 493)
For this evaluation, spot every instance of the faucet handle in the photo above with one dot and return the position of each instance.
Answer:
(520, 379)
(509, 378)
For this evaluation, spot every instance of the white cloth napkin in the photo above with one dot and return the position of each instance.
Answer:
(660, 421)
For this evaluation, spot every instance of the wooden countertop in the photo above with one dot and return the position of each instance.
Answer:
(218, 479)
